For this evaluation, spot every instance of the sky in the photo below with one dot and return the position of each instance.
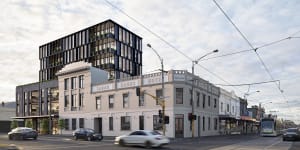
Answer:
(180, 31)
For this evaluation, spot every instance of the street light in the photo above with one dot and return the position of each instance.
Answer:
(162, 86)
(249, 93)
(192, 93)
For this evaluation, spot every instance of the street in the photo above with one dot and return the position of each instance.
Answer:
(234, 142)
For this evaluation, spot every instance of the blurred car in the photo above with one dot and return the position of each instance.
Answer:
(21, 133)
(87, 134)
(291, 134)
(146, 138)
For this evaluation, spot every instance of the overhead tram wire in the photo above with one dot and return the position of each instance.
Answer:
(255, 49)
(248, 50)
(166, 42)
(247, 84)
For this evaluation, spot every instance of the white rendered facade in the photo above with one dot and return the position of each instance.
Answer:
(229, 110)
(112, 107)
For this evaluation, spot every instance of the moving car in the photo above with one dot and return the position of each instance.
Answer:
(87, 134)
(146, 138)
(291, 134)
(21, 133)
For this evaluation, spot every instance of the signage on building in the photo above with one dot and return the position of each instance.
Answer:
(126, 84)
(154, 80)
(100, 88)
(179, 77)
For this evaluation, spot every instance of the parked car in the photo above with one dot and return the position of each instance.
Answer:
(21, 133)
(87, 134)
(291, 134)
(146, 138)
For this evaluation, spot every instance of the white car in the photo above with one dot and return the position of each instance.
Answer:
(144, 138)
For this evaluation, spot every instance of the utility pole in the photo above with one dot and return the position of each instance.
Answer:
(162, 87)
(192, 93)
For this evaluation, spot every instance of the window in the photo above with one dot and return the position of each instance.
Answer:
(66, 101)
(73, 83)
(125, 100)
(221, 106)
(141, 122)
(179, 95)
(227, 107)
(215, 103)
(81, 95)
(66, 124)
(125, 123)
(66, 84)
(142, 99)
(233, 109)
(73, 123)
(111, 101)
(216, 124)
(198, 99)
(208, 101)
(81, 122)
(73, 102)
(156, 124)
(158, 95)
(191, 97)
(203, 97)
(111, 123)
(208, 123)
(98, 102)
(203, 123)
(81, 81)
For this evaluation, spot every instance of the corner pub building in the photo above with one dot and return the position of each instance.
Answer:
(107, 46)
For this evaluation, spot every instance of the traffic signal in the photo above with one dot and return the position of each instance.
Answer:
(159, 113)
(167, 119)
(160, 116)
(192, 117)
(138, 91)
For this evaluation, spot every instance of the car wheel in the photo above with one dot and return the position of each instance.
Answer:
(14, 137)
(89, 138)
(75, 137)
(148, 144)
(100, 138)
(283, 139)
(122, 142)
(21, 137)
(35, 138)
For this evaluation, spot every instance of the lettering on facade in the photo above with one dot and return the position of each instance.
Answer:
(100, 88)
(126, 84)
(179, 77)
(154, 80)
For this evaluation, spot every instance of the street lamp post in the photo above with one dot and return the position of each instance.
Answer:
(162, 87)
(192, 93)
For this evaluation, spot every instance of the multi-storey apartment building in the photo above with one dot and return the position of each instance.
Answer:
(88, 99)
(106, 45)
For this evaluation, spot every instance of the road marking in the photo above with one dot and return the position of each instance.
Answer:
(66, 146)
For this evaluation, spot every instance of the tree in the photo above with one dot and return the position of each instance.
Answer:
(28, 123)
(45, 126)
(61, 125)
(13, 124)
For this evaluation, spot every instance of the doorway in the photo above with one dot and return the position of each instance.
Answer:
(98, 125)
(179, 126)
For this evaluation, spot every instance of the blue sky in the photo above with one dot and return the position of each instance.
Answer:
(194, 27)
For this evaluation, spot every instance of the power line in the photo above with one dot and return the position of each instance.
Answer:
(248, 50)
(255, 49)
(166, 42)
(247, 84)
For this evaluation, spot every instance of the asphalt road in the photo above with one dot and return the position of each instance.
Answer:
(234, 142)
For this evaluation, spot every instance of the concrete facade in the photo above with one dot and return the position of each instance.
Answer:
(113, 108)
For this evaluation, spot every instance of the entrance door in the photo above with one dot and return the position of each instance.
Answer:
(179, 126)
(98, 125)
